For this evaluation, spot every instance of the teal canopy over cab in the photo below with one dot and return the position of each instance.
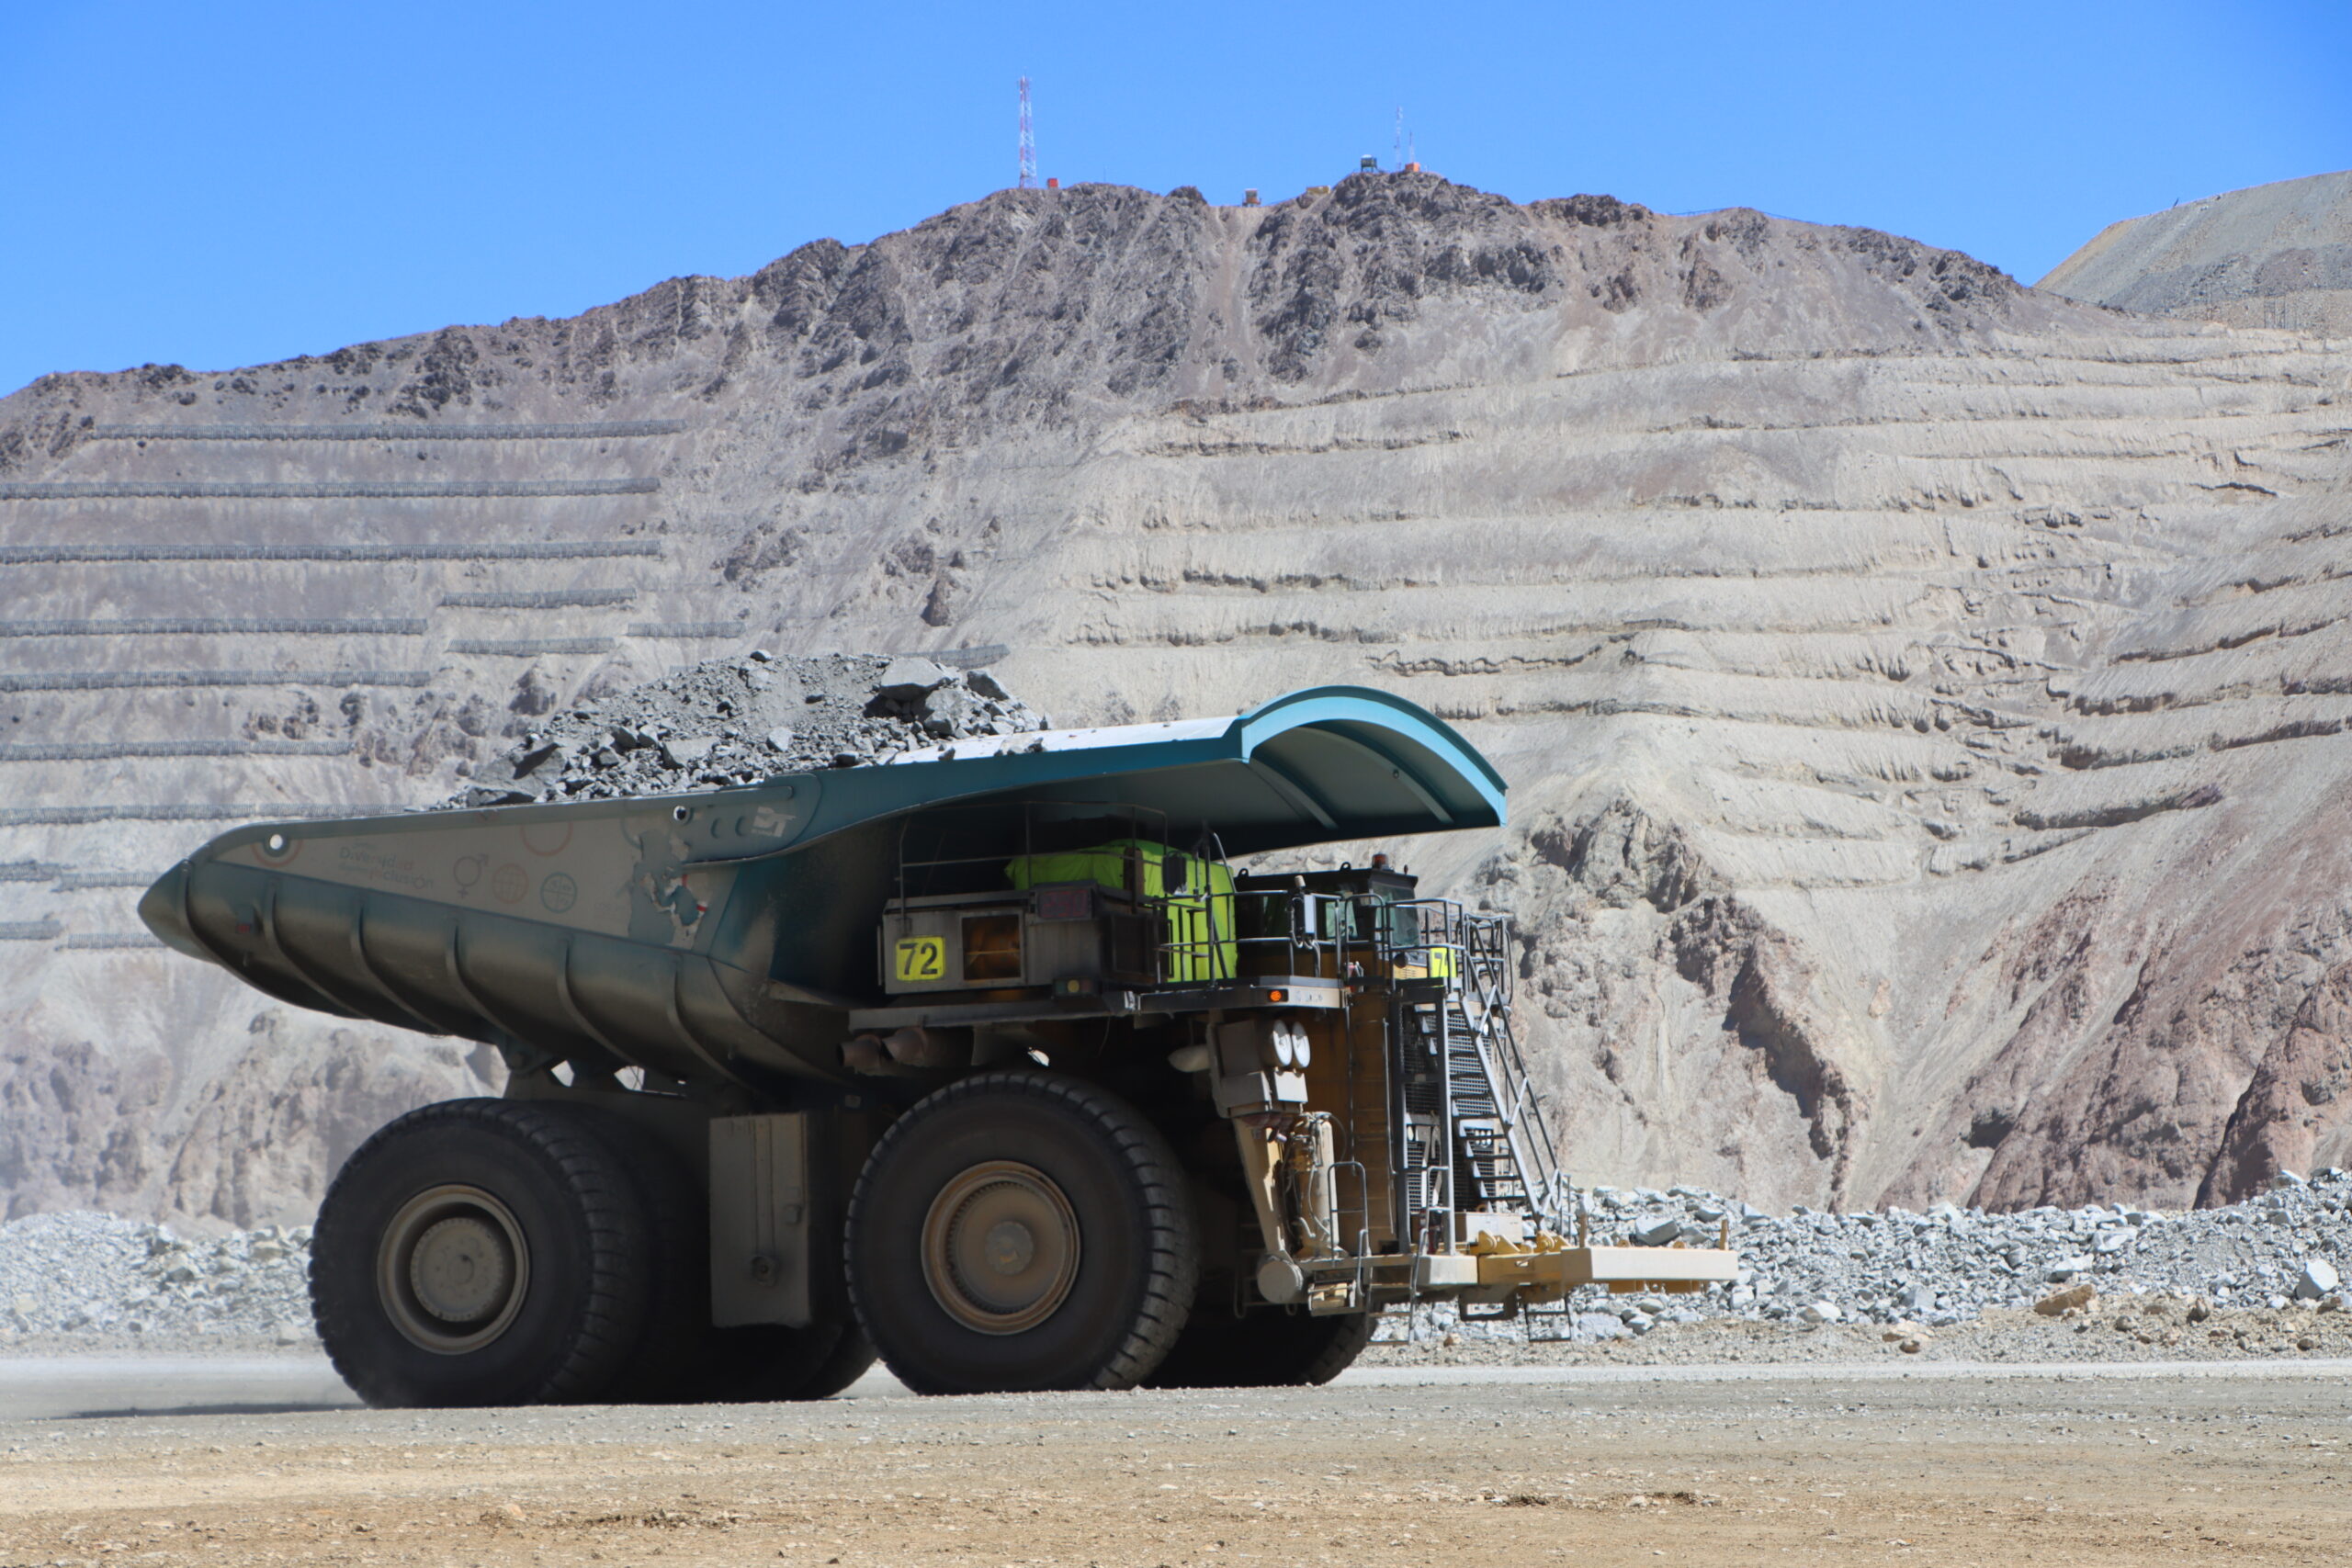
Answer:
(1318, 765)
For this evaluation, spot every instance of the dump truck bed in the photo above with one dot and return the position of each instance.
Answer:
(724, 936)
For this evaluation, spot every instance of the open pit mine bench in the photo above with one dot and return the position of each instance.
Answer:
(987, 1059)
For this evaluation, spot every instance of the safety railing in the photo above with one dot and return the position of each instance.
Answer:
(1265, 933)
(1472, 953)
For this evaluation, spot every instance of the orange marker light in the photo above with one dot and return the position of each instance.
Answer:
(1278, 996)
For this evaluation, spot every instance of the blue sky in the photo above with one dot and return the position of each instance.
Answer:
(230, 181)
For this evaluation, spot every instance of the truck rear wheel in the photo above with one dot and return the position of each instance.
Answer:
(482, 1252)
(682, 1358)
(760, 1362)
(1020, 1231)
(1266, 1348)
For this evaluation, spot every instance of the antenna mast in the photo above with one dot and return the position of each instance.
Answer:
(1028, 142)
(1397, 152)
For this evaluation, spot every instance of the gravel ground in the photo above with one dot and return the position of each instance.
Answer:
(2107, 1330)
(1817, 1466)
(736, 721)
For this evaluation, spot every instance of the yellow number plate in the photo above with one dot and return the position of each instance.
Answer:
(923, 958)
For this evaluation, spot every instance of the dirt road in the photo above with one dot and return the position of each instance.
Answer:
(2242, 1464)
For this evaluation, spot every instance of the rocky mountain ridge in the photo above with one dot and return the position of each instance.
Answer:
(1924, 697)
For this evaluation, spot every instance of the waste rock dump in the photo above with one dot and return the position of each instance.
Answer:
(2289, 1250)
(81, 1278)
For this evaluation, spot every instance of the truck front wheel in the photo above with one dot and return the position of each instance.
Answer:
(1020, 1231)
(481, 1252)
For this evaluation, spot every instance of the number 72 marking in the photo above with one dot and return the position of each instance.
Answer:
(923, 958)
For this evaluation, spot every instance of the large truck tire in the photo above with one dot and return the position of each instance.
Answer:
(482, 1252)
(682, 1358)
(1269, 1348)
(672, 1362)
(1019, 1231)
(762, 1362)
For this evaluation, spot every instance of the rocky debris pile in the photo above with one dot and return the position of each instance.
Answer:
(2288, 1251)
(84, 1279)
(736, 721)
(2261, 1278)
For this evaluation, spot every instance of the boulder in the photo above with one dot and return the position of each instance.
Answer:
(908, 679)
(2073, 1298)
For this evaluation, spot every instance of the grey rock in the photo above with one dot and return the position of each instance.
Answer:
(1598, 1326)
(908, 679)
(549, 756)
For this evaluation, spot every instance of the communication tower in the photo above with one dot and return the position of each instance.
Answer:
(1028, 142)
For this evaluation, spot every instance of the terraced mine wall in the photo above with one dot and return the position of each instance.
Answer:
(1924, 698)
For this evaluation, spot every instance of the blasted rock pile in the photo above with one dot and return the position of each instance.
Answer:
(82, 1279)
(2291, 1247)
(1950, 1264)
(736, 721)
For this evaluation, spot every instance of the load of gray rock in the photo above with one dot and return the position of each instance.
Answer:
(75, 1279)
(736, 721)
(2292, 1244)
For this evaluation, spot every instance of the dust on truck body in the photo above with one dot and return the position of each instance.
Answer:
(986, 1059)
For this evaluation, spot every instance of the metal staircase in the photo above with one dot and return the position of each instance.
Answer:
(1464, 1073)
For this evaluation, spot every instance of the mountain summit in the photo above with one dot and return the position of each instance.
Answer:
(1924, 696)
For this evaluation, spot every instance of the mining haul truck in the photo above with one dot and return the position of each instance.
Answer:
(987, 1059)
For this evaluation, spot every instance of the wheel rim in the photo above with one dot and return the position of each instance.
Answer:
(1000, 1248)
(452, 1270)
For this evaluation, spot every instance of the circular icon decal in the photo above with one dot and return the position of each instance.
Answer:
(559, 893)
(465, 872)
(509, 883)
(546, 838)
(277, 850)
